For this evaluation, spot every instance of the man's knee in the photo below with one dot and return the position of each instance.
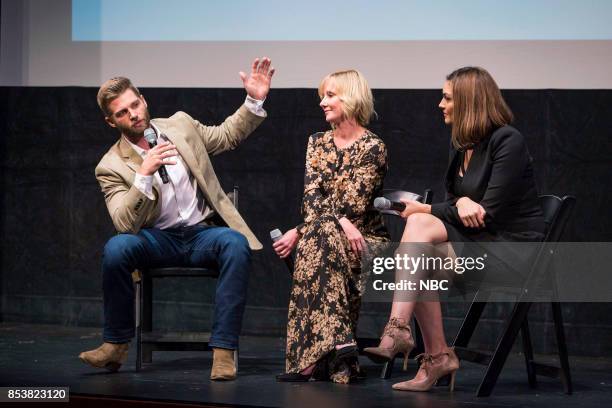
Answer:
(232, 240)
(120, 248)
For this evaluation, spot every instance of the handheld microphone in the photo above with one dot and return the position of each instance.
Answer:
(275, 235)
(382, 203)
(151, 138)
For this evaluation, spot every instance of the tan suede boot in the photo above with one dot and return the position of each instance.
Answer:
(109, 355)
(223, 368)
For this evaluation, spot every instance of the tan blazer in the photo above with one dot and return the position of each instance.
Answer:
(131, 210)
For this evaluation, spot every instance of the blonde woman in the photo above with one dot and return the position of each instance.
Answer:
(345, 168)
(491, 197)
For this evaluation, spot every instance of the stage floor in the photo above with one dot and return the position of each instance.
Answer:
(46, 355)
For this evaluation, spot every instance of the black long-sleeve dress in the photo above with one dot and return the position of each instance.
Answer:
(500, 178)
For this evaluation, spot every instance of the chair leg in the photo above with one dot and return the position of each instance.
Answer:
(562, 346)
(138, 307)
(504, 345)
(147, 314)
(469, 324)
(528, 353)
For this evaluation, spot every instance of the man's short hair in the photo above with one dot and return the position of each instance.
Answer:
(111, 89)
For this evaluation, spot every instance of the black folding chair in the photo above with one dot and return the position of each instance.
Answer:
(148, 340)
(556, 214)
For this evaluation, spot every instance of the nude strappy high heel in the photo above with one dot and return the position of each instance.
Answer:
(435, 366)
(399, 330)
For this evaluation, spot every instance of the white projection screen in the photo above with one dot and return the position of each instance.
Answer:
(397, 44)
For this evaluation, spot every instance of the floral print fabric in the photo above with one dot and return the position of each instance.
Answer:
(327, 281)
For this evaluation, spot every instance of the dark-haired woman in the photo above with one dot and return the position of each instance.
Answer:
(491, 197)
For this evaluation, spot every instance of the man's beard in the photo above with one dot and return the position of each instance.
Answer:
(133, 134)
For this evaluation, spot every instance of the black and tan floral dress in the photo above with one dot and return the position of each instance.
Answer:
(327, 282)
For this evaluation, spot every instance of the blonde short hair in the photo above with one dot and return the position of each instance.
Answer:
(111, 89)
(354, 92)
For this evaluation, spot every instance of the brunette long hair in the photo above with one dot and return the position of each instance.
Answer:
(478, 106)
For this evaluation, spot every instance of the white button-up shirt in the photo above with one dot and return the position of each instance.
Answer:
(182, 203)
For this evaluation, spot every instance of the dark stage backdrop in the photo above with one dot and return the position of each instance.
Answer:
(55, 223)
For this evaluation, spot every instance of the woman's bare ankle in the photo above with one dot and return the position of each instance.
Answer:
(340, 346)
(386, 342)
(437, 349)
(308, 370)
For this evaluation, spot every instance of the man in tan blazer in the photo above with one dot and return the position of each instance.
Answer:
(182, 217)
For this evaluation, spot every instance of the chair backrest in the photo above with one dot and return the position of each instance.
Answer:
(233, 195)
(556, 214)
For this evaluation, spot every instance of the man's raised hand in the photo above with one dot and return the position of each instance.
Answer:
(257, 84)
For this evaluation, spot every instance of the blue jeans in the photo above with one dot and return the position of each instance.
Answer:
(196, 246)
